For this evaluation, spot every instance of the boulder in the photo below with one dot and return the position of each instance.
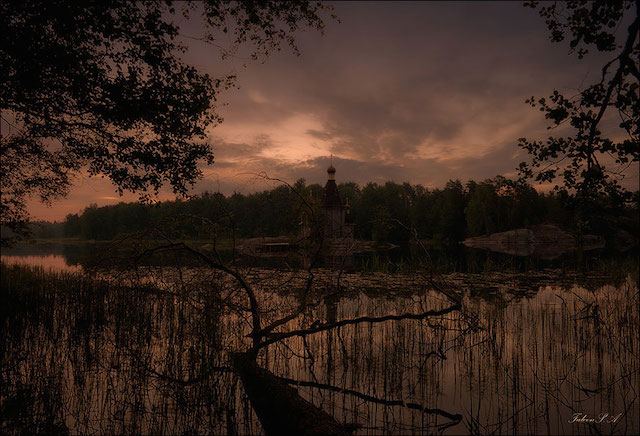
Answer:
(547, 241)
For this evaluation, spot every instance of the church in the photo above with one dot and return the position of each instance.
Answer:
(337, 220)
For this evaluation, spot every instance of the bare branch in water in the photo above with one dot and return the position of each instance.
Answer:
(275, 337)
(455, 418)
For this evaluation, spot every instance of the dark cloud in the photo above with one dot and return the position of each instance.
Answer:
(421, 92)
(394, 78)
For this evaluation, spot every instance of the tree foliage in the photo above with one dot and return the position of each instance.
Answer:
(380, 212)
(591, 160)
(448, 214)
(103, 86)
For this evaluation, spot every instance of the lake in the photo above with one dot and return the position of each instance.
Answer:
(546, 351)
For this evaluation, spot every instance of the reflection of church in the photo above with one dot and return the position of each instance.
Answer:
(338, 223)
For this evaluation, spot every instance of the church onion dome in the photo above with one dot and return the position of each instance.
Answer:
(330, 195)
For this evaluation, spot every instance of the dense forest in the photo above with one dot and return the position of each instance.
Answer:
(381, 213)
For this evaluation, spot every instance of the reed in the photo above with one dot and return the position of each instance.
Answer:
(103, 356)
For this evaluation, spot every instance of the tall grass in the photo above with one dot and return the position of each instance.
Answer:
(91, 356)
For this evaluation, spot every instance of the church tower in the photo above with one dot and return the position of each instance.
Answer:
(336, 220)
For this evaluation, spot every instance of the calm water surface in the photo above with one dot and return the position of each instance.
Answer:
(536, 354)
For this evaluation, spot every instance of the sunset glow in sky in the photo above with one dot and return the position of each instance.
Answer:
(409, 92)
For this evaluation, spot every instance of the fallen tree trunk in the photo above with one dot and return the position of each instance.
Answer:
(281, 410)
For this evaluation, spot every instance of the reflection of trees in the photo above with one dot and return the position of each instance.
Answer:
(103, 352)
(157, 359)
(278, 309)
(249, 299)
(160, 349)
(556, 355)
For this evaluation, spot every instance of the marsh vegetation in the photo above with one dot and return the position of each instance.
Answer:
(151, 351)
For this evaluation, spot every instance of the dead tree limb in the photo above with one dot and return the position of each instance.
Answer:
(275, 337)
(454, 417)
(281, 410)
(253, 301)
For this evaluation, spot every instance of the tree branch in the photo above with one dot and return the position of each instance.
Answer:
(253, 302)
(624, 59)
(311, 276)
(275, 337)
(456, 418)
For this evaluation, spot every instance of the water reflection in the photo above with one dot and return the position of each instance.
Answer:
(59, 257)
(400, 259)
(53, 262)
(102, 358)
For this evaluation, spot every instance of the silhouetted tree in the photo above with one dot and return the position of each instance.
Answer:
(450, 204)
(482, 209)
(590, 161)
(102, 86)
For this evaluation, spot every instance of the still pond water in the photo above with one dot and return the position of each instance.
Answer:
(541, 352)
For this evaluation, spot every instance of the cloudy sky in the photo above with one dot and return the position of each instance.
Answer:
(410, 92)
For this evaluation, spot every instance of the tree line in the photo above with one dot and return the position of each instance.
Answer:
(381, 212)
